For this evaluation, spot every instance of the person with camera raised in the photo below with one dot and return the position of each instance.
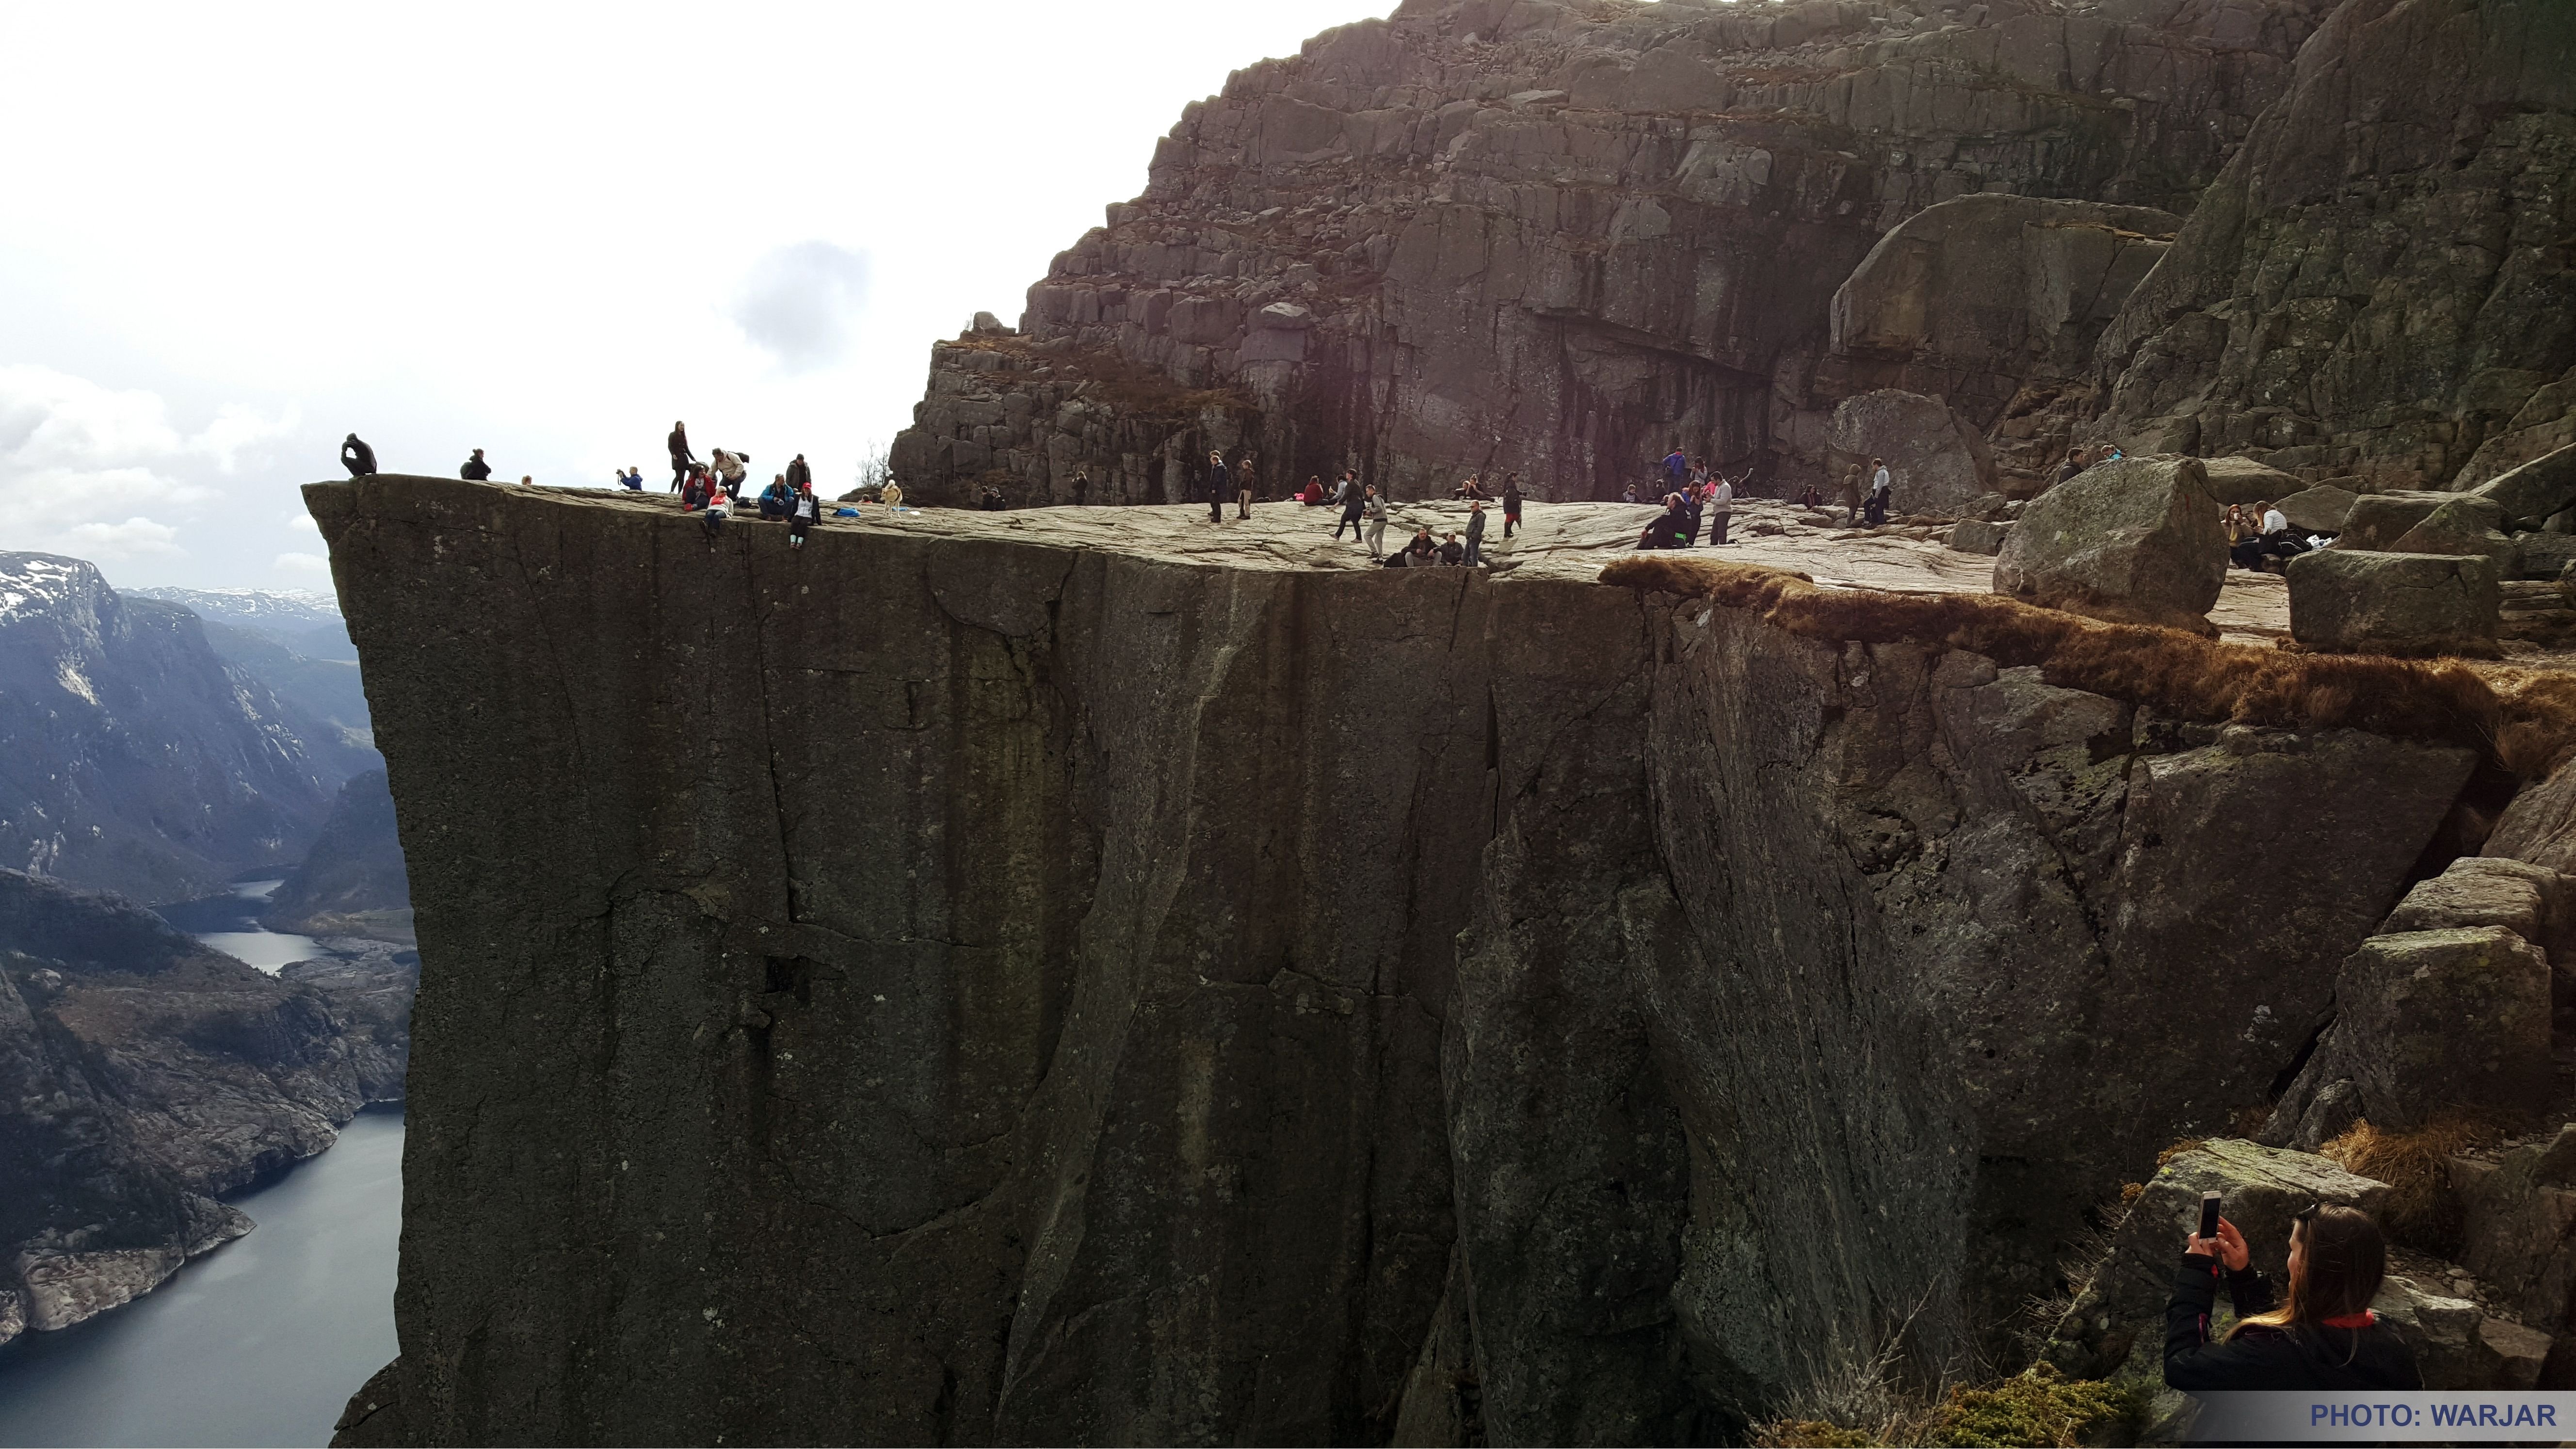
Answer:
(2321, 1335)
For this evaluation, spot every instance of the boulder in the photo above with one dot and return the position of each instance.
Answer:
(2242, 480)
(1937, 461)
(2435, 1020)
(2542, 555)
(2461, 525)
(2518, 1225)
(2138, 540)
(2456, 1342)
(1976, 535)
(2539, 826)
(2350, 602)
(2321, 509)
(2378, 520)
(2481, 891)
(2531, 493)
(2115, 1327)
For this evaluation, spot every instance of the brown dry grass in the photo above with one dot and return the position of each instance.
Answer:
(2523, 720)
(2421, 1211)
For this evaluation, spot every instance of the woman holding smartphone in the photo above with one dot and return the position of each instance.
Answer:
(2321, 1335)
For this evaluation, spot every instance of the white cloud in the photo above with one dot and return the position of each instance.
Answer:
(800, 303)
(135, 538)
(302, 563)
(108, 465)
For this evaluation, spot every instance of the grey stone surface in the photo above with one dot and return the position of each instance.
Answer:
(1328, 1055)
(1556, 241)
(2137, 541)
(2393, 603)
(2322, 509)
(2436, 1020)
(1976, 535)
(1937, 461)
(2463, 525)
(2242, 480)
(2420, 364)
(2377, 520)
(2530, 493)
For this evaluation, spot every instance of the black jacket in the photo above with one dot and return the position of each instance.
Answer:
(2307, 1360)
(679, 443)
(799, 476)
(357, 457)
(475, 470)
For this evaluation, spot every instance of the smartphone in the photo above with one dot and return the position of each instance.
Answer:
(2209, 1216)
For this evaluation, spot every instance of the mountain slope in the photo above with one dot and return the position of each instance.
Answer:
(352, 883)
(138, 761)
(143, 1075)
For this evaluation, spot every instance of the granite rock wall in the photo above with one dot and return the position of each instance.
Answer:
(1558, 239)
(974, 987)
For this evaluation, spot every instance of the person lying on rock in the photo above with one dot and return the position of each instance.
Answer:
(2320, 1336)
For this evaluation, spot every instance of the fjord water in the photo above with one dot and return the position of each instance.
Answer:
(261, 1341)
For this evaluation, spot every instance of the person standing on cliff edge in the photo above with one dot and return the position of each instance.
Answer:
(800, 476)
(357, 457)
(1511, 503)
(1217, 485)
(681, 457)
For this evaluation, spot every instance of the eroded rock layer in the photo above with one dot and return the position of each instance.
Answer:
(971, 987)
(1555, 239)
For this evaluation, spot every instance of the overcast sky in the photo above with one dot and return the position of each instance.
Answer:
(239, 232)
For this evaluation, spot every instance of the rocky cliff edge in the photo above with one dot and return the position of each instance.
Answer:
(1028, 980)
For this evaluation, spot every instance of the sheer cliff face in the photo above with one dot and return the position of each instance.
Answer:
(2379, 283)
(972, 988)
(1556, 239)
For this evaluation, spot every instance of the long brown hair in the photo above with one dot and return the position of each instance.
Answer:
(2342, 1260)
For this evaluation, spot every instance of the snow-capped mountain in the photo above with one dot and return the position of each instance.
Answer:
(137, 760)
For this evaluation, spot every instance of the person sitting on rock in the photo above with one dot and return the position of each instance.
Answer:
(1312, 495)
(1418, 554)
(1453, 553)
(773, 499)
(801, 512)
(2273, 539)
(357, 457)
(695, 488)
(475, 469)
(632, 480)
(2320, 1337)
(2074, 464)
(1473, 488)
(992, 498)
